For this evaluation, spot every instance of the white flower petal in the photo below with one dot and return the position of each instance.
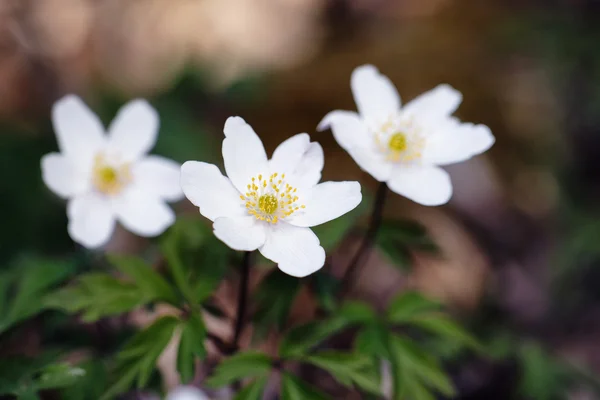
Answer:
(142, 213)
(243, 153)
(158, 176)
(79, 131)
(426, 185)
(375, 95)
(327, 201)
(61, 175)
(205, 186)
(457, 142)
(91, 221)
(296, 250)
(289, 153)
(240, 233)
(134, 130)
(439, 102)
(372, 162)
(186, 393)
(348, 129)
(308, 170)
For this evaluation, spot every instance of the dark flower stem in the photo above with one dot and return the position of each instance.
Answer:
(242, 298)
(368, 240)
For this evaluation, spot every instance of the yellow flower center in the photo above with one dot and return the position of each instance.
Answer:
(109, 179)
(271, 199)
(398, 142)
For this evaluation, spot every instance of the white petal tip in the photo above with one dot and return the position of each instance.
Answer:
(233, 123)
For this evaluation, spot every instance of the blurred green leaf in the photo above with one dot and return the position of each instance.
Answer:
(274, 298)
(252, 391)
(149, 282)
(59, 375)
(242, 365)
(408, 359)
(348, 369)
(326, 288)
(397, 237)
(191, 346)
(357, 312)
(301, 339)
(23, 287)
(543, 378)
(211, 267)
(409, 305)
(97, 295)
(91, 385)
(18, 374)
(373, 339)
(292, 388)
(444, 327)
(178, 270)
(137, 360)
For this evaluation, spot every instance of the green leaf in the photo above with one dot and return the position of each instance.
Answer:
(177, 268)
(149, 282)
(59, 375)
(409, 305)
(137, 360)
(301, 339)
(445, 327)
(23, 287)
(397, 238)
(253, 391)
(372, 340)
(357, 312)
(293, 388)
(348, 369)
(18, 374)
(326, 288)
(332, 233)
(97, 295)
(91, 385)
(274, 298)
(191, 346)
(212, 265)
(242, 365)
(542, 377)
(411, 360)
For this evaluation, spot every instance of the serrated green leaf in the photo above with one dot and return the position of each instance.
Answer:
(59, 375)
(24, 286)
(177, 269)
(445, 327)
(301, 339)
(412, 360)
(372, 340)
(409, 305)
(274, 298)
(191, 346)
(357, 312)
(252, 391)
(242, 365)
(292, 388)
(348, 369)
(149, 282)
(96, 295)
(137, 360)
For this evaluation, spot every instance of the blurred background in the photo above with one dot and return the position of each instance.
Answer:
(519, 242)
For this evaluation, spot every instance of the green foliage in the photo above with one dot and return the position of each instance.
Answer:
(191, 346)
(348, 368)
(24, 377)
(397, 238)
(252, 391)
(326, 288)
(91, 385)
(301, 339)
(293, 388)
(136, 362)
(248, 364)
(274, 298)
(23, 287)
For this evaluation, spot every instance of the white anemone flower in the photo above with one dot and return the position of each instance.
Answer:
(269, 205)
(404, 146)
(186, 393)
(109, 177)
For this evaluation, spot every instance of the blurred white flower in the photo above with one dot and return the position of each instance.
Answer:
(269, 205)
(109, 178)
(403, 146)
(186, 393)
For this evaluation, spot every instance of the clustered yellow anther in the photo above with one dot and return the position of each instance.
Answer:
(399, 141)
(108, 179)
(271, 199)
